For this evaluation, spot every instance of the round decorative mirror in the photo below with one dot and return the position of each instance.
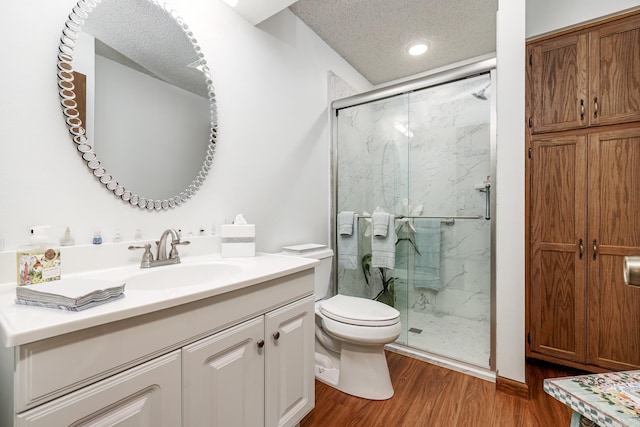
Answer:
(138, 100)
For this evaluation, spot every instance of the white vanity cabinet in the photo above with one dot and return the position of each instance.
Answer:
(289, 363)
(240, 358)
(254, 374)
(145, 396)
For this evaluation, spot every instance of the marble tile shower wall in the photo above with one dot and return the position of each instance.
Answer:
(438, 165)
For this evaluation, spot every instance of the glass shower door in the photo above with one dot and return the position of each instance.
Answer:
(449, 271)
(424, 157)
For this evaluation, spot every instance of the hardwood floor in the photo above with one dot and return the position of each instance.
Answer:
(428, 395)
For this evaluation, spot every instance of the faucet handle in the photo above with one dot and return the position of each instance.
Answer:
(147, 256)
(180, 242)
(174, 251)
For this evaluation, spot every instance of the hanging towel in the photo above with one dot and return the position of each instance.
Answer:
(426, 271)
(383, 248)
(348, 243)
(345, 223)
(380, 222)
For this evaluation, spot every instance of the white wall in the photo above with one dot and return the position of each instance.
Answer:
(272, 160)
(545, 16)
(510, 190)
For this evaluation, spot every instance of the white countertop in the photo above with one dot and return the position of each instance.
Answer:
(24, 324)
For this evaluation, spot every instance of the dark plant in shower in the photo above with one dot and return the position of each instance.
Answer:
(387, 295)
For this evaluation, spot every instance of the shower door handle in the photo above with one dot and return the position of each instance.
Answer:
(485, 188)
(487, 201)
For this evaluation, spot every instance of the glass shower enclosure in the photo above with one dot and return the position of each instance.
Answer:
(426, 158)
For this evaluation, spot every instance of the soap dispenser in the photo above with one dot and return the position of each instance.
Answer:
(39, 261)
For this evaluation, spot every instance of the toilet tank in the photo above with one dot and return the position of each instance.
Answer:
(322, 277)
(322, 272)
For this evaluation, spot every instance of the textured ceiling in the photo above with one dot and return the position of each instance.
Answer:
(372, 35)
(161, 49)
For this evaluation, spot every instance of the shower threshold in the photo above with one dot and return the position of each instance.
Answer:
(445, 362)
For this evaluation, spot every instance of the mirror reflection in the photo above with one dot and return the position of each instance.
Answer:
(141, 105)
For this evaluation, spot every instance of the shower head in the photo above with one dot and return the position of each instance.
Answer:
(481, 93)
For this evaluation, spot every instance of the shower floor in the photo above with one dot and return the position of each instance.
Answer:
(454, 337)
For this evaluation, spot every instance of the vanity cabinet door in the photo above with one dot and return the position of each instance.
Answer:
(289, 363)
(223, 378)
(145, 396)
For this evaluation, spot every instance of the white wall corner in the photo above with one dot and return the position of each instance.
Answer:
(510, 300)
(256, 11)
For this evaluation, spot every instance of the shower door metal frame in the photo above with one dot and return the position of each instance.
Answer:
(431, 80)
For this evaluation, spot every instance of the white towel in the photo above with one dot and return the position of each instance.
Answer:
(380, 222)
(383, 248)
(345, 223)
(348, 246)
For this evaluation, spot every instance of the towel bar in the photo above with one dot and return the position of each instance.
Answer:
(446, 220)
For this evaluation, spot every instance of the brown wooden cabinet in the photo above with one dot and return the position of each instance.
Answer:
(614, 232)
(583, 196)
(558, 203)
(559, 84)
(586, 78)
(584, 201)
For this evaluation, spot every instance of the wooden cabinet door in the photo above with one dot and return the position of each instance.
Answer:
(147, 395)
(289, 363)
(559, 84)
(614, 232)
(614, 57)
(558, 247)
(223, 378)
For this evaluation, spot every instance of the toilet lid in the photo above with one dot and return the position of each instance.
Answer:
(359, 311)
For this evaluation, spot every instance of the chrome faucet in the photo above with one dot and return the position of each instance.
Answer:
(161, 254)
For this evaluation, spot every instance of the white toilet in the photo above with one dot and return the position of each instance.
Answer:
(351, 334)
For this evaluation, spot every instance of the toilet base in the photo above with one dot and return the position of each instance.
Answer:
(362, 371)
(327, 367)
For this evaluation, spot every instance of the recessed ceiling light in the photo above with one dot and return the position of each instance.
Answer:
(417, 49)
(232, 3)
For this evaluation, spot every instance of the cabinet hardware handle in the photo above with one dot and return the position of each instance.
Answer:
(581, 248)
(595, 249)
(595, 110)
(260, 343)
(582, 109)
(276, 336)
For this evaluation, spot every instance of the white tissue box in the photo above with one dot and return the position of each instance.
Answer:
(238, 240)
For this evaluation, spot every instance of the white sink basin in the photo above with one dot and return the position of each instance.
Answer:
(180, 275)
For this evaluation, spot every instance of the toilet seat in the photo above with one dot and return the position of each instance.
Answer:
(359, 311)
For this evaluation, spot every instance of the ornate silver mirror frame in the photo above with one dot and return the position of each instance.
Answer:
(66, 86)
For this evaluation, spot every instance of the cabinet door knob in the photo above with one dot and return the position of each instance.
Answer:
(582, 109)
(595, 109)
(595, 249)
(260, 343)
(276, 336)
